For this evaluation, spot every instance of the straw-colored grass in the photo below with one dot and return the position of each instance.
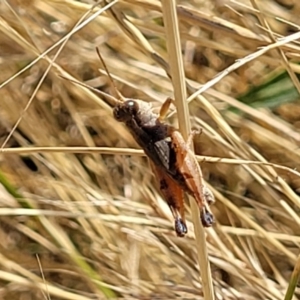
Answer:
(80, 214)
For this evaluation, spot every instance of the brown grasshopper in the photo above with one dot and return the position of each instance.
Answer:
(173, 163)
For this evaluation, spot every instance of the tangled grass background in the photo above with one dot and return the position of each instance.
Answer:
(79, 222)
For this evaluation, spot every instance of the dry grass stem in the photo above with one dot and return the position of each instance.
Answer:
(178, 79)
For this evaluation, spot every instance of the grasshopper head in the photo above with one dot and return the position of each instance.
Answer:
(126, 110)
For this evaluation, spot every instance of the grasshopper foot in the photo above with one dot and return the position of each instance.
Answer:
(207, 218)
(180, 227)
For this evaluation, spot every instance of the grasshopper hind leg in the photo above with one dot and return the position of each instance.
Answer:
(193, 181)
(174, 196)
(179, 224)
(207, 218)
(180, 227)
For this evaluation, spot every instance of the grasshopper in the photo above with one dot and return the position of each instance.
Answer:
(173, 162)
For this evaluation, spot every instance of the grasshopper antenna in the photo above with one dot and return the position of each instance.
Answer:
(118, 95)
(111, 98)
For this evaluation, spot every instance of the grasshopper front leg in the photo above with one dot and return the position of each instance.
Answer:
(165, 108)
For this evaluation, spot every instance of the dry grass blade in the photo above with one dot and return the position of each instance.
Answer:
(137, 152)
(241, 62)
(76, 27)
(46, 295)
(285, 62)
(178, 79)
(9, 31)
(46, 287)
(293, 281)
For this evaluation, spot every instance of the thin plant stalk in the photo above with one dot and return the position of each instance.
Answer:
(178, 78)
(293, 281)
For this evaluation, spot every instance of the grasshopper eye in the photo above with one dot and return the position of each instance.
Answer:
(131, 106)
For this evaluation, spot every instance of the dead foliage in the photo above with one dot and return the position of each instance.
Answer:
(93, 216)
